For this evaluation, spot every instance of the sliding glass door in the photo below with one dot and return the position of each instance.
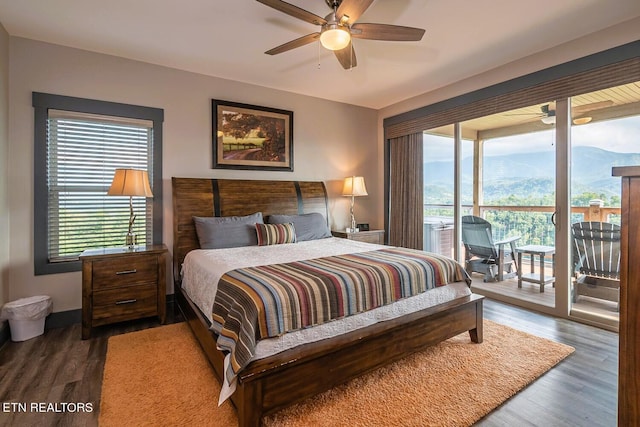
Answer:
(532, 174)
(513, 165)
(439, 228)
(605, 132)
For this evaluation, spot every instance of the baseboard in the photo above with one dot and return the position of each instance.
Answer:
(62, 319)
(54, 320)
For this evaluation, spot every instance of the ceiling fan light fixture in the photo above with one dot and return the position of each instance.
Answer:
(335, 37)
(582, 120)
(549, 120)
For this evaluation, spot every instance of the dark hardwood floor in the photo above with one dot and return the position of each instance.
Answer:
(580, 391)
(60, 367)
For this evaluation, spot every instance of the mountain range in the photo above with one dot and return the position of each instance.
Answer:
(530, 174)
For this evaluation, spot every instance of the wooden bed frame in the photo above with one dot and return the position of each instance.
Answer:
(268, 385)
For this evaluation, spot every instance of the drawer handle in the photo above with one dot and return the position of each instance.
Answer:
(126, 272)
(126, 301)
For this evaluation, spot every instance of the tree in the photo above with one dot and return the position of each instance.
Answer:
(240, 125)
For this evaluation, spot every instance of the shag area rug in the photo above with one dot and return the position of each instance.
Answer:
(161, 377)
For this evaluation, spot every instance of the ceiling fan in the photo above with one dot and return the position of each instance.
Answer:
(339, 27)
(547, 112)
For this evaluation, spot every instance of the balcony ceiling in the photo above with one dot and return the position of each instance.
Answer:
(227, 39)
(616, 102)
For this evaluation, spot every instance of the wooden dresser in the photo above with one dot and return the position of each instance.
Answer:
(119, 284)
(370, 236)
(629, 355)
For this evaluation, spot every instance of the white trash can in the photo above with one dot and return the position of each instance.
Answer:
(26, 316)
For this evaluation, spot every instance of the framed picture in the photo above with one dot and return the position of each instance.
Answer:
(251, 137)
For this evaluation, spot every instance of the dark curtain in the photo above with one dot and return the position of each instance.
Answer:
(406, 191)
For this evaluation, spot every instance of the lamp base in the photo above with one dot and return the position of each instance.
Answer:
(352, 230)
(131, 240)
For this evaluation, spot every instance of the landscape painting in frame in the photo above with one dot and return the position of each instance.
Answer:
(252, 137)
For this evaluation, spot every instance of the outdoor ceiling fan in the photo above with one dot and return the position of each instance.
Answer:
(339, 27)
(547, 112)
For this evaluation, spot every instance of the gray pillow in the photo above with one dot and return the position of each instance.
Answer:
(218, 232)
(310, 226)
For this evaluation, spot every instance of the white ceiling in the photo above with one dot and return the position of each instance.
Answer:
(227, 39)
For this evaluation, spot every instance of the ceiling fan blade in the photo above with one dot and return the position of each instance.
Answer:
(386, 32)
(309, 38)
(589, 107)
(353, 9)
(347, 57)
(294, 11)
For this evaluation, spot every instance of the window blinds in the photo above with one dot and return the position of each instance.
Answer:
(83, 151)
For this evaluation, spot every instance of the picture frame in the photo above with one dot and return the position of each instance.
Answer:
(251, 137)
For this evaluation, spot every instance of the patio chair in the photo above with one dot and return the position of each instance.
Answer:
(496, 260)
(596, 255)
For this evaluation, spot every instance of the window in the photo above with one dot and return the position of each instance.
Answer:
(78, 145)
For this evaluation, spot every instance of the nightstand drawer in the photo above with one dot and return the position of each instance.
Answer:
(363, 236)
(369, 236)
(125, 271)
(120, 304)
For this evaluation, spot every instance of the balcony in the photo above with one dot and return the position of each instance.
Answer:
(530, 292)
(534, 225)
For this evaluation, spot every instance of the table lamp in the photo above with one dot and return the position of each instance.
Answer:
(130, 182)
(354, 187)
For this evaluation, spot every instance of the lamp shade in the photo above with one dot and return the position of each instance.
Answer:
(130, 182)
(354, 186)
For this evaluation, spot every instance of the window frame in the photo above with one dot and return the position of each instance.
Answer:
(42, 102)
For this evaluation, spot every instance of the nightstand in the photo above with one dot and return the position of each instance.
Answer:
(371, 236)
(120, 284)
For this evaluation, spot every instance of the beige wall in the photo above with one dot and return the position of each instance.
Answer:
(331, 140)
(4, 149)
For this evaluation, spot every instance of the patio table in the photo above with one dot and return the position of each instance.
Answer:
(539, 278)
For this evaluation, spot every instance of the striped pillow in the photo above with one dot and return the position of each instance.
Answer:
(275, 234)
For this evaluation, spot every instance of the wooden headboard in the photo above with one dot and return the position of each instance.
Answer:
(231, 197)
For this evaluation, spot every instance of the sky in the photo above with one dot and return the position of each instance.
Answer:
(619, 135)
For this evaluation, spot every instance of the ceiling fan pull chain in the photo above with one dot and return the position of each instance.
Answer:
(319, 46)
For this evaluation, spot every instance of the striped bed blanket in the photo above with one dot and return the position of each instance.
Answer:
(266, 301)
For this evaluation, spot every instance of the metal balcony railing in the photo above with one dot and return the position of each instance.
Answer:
(532, 223)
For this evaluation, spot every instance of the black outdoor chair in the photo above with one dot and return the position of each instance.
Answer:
(496, 260)
(596, 255)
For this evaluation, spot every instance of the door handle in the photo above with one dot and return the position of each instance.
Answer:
(553, 218)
